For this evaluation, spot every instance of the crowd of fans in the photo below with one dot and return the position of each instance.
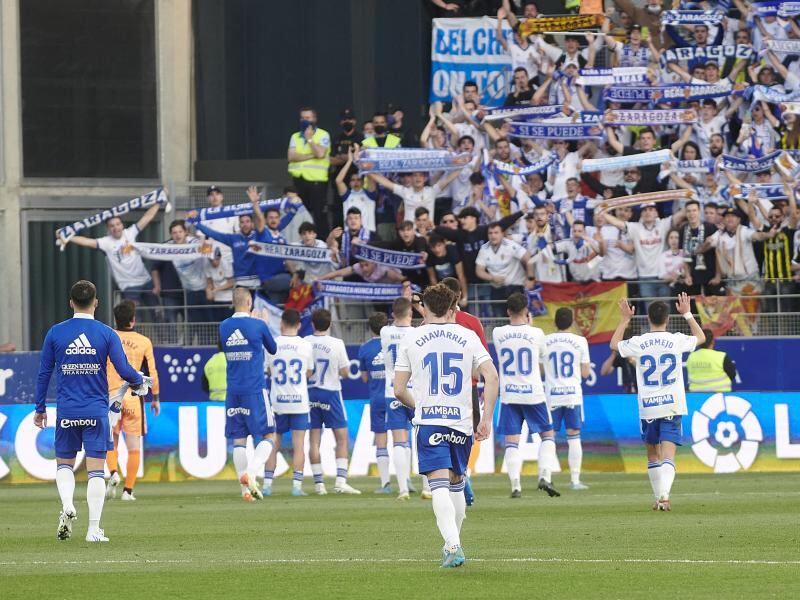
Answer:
(501, 233)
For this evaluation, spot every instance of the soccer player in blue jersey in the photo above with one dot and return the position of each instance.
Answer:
(325, 399)
(373, 373)
(661, 393)
(79, 349)
(247, 410)
(439, 359)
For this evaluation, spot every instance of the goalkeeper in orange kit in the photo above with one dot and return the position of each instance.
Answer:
(133, 421)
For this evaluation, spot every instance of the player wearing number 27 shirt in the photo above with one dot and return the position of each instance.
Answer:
(439, 358)
(662, 398)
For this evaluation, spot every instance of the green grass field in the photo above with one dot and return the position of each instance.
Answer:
(727, 537)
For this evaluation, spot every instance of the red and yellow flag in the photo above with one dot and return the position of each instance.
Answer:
(720, 314)
(594, 307)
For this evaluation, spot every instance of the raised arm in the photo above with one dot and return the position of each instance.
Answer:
(501, 12)
(340, 185)
(684, 306)
(382, 181)
(258, 217)
(145, 219)
(79, 240)
(613, 141)
(626, 312)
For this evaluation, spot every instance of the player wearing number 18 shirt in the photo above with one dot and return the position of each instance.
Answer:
(439, 358)
(661, 395)
(566, 362)
(520, 349)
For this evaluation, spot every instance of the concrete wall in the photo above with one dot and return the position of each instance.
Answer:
(21, 199)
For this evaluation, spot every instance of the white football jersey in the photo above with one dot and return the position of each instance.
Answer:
(287, 369)
(659, 371)
(330, 355)
(520, 349)
(391, 336)
(441, 358)
(564, 354)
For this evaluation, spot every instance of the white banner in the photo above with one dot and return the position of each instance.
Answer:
(468, 50)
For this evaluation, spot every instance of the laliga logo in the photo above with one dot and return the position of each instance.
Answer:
(189, 368)
(726, 434)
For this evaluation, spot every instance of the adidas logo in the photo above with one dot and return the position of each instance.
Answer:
(80, 345)
(236, 339)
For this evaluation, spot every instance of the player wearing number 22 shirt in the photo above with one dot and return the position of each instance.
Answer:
(662, 398)
(439, 358)
(520, 349)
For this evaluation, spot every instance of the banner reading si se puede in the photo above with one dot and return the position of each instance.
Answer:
(469, 50)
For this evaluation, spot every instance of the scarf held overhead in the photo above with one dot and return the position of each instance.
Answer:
(748, 165)
(674, 116)
(637, 199)
(692, 17)
(558, 24)
(234, 210)
(359, 291)
(296, 252)
(679, 92)
(590, 165)
(173, 252)
(536, 167)
(523, 113)
(615, 76)
(410, 160)
(556, 131)
(158, 196)
(388, 258)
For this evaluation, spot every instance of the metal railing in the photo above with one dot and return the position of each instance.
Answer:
(351, 325)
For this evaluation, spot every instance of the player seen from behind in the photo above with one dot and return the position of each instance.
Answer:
(661, 395)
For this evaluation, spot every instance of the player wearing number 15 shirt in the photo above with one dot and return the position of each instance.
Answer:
(439, 358)
(659, 374)
(520, 349)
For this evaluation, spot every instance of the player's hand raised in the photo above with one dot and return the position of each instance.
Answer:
(626, 311)
(684, 303)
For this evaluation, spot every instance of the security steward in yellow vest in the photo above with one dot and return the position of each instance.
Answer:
(309, 160)
(382, 138)
(215, 377)
(710, 370)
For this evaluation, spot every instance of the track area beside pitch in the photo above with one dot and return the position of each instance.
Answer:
(728, 536)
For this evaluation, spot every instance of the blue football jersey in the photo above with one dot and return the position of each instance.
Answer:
(243, 341)
(370, 360)
(79, 350)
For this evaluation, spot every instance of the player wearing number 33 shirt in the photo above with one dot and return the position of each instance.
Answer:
(439, 359)
(520, 349)
(662, 399)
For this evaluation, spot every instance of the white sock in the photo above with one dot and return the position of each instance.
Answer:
(513, 465)
(268, 475)
(575, 457)
(401, 466)
(667, 476)
(459, 502)
(654, 472)
(547, 458)
(316, 471)
(65, 482)
(341, 472)
(445, 512)
(426, 486)
(297, 480)
(95, 496)
(240, 460)
(382, 457)
(260, 456)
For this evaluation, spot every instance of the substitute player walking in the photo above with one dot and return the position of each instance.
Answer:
(133, 421)
(439, 358)
(79, 349)
(247, 410)
(662, 398)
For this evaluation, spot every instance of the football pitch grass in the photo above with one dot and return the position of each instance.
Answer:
(731, 536)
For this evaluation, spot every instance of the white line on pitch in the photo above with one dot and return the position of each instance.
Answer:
(270, 561)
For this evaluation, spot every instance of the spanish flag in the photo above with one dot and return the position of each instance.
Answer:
(594, 307)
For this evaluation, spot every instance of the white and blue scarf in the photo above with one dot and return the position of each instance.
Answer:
(590, 165)
(668, 94)
(782, 46)
(749, 165)
(523, 113)
(691, 17)
(716, 53)
(298, 252)
(673, 116)
(172, 252)
(770, 95)
(355, 290)
(234, 210)
(409, 160)
(705, 165)
(615, 76)
(388, 258)
(542, 164)
(158, 196)
(776, 9)
(544, 130)
(770, 191)
(536, 304)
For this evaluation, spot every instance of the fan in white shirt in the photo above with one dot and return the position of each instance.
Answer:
(418, 194)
